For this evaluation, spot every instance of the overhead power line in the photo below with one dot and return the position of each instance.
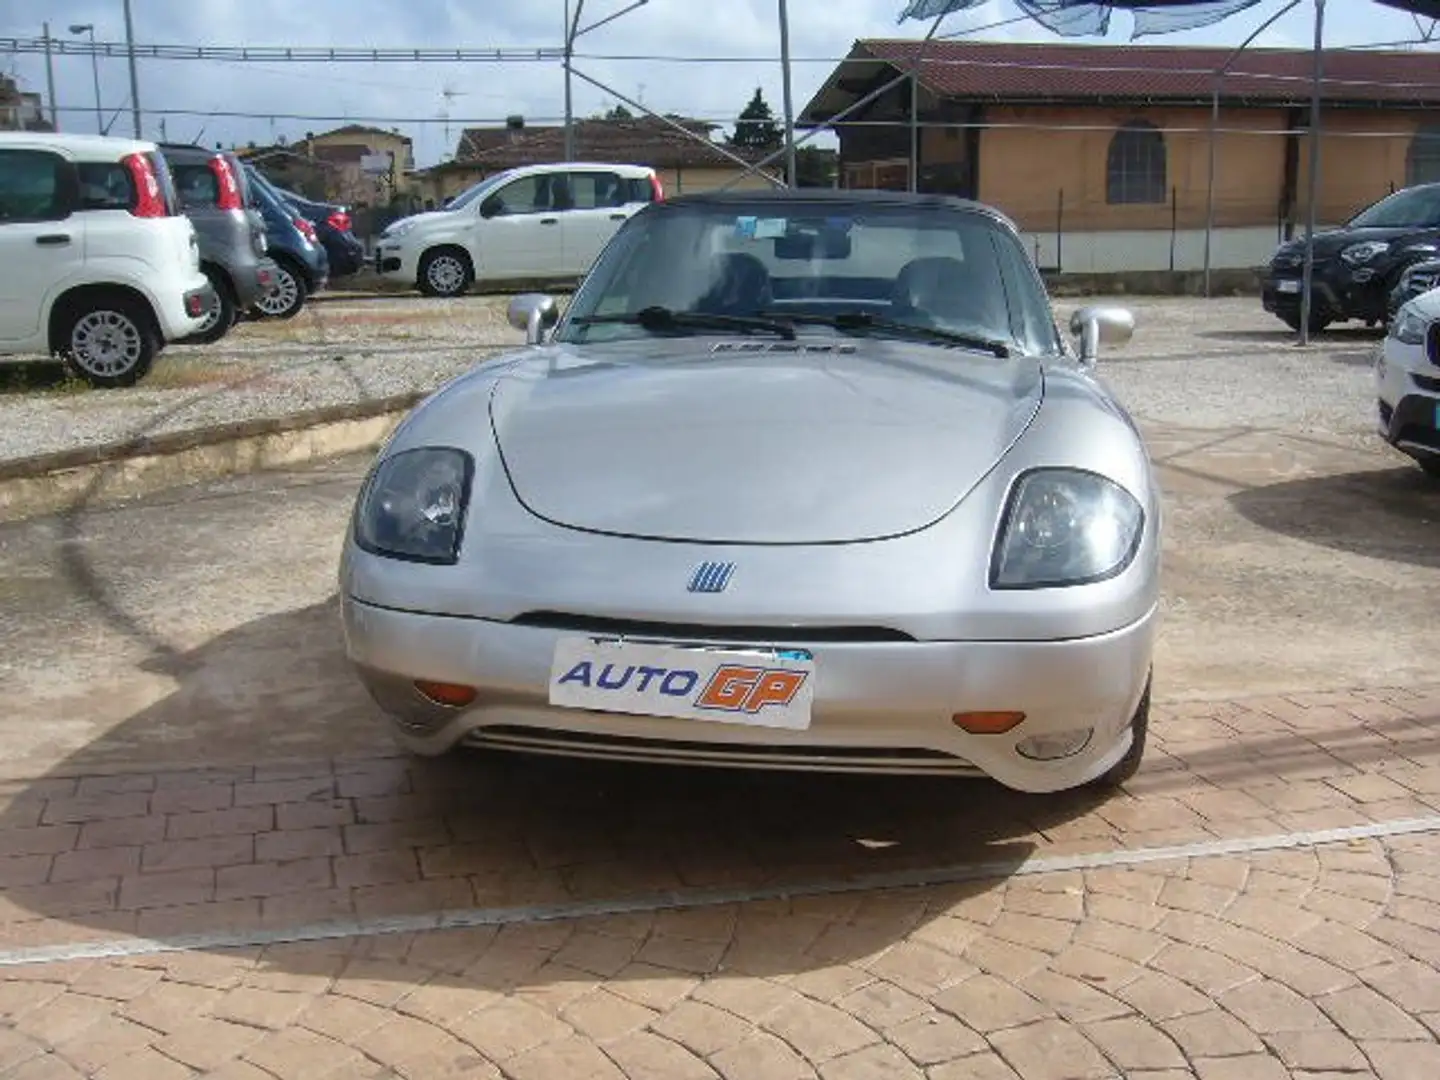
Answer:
(271, 53)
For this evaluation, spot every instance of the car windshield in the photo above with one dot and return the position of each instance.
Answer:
(920, 271)
(476, 191)
(1409, 207)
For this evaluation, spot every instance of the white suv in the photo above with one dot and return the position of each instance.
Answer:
(534, 223)
(97, 264)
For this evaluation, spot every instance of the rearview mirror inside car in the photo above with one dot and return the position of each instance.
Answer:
(533, 313)
(1096, 325)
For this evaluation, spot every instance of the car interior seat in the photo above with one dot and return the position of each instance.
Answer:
(949, 291)
(739, 285)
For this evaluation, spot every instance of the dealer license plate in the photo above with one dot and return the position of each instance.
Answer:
(760, 688)
(1287, 286)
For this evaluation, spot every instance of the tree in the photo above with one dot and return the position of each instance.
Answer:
(619, 112)
(756, 128)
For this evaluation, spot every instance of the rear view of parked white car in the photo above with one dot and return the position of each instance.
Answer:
(538, 223)
(97, 264)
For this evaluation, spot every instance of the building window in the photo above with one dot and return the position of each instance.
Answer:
(1135, 168)
(1422, 162)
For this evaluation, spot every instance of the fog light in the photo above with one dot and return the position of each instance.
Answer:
(1053, 747)
(987, 723)
(451, 694)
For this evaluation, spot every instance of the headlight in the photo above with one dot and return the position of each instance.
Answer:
(1065, 527)
(1408, 328)
(1356, 254)
(413, 505)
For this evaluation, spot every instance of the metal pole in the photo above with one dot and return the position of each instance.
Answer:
(95, 75)
(1215, 123)
(1306, 297)
(915, 103)
(790, 175)
(570, 24)
(50, 79)
(1210, 186)
(134, 80)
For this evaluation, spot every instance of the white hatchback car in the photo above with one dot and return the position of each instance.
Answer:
(97, 264)
(535, 223)
(1407, 382)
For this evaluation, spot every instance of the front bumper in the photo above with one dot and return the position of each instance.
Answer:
(878, 707)
(1339, 291)
(393, 261)
(1408, 400)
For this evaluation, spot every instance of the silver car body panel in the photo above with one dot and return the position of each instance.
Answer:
(905, 629)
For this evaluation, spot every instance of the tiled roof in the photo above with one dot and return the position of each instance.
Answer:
(1016, 71)
(642, 140)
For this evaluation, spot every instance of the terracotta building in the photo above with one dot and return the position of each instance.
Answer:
(1101, 154)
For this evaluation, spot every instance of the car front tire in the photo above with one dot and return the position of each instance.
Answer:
(108, 341)
(445, 273)
(1129, 765)
(1319, 321)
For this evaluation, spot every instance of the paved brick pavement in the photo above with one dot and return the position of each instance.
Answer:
(1313, 962)
(1306, 963)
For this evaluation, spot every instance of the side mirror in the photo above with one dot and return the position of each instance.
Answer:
(1096, 326)
(534, 313)
(491, 207)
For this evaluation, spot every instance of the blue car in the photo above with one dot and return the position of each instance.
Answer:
(302, 267)
(334, 226)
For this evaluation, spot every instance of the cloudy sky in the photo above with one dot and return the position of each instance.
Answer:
(630, 55)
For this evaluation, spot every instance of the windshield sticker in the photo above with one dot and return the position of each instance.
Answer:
(745, 228)
(769, 228)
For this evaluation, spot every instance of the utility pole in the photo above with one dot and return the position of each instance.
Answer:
(50, 79)
(83, 28)
(134, 81)
(571, 23)
(790, 177)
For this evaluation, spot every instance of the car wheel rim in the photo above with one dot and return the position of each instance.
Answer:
(282, 294)
(106, 343)
(212, 315)
(446, 273)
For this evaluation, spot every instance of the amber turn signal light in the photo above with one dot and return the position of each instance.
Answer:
(987, 723)
(451, 694)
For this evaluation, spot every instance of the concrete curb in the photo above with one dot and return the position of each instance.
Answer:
(69, 479)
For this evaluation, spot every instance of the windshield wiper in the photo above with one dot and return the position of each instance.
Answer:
(861, 321)
(663, 318)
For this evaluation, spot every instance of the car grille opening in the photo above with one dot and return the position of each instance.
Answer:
(740, 635)
(596, 745)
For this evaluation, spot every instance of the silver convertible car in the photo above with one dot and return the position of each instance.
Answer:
(801, 480)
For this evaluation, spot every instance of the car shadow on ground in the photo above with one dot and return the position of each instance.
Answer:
(1389, 514)
(29, 376)
(303, 837)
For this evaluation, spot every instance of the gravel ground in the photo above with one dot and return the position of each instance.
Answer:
(1222, 363)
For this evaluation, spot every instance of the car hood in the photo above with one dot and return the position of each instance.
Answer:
(426, 220)
(739, 441)
(1333, 241)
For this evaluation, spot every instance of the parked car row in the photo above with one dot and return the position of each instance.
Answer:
(112, 249)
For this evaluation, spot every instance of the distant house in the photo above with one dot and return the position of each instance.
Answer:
(19, 110)
(346, 165)
(1101, 153)
(684, 162)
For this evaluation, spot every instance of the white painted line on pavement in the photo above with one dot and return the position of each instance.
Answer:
(697, 898)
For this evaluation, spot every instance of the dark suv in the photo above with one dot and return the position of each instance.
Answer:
(214, 194)
(1358, 265)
